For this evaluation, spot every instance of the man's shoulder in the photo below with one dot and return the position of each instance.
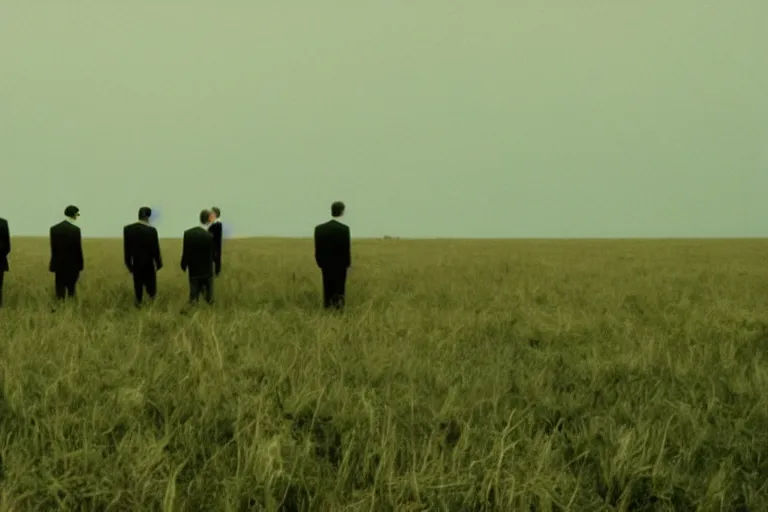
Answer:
(337, 224)
(137, 227)
(197, 231)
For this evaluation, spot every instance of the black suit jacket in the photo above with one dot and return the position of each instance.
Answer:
(197, 253)
(141, 248)
(215, 230)
(333, 249)
(5, 245)
(66, 248)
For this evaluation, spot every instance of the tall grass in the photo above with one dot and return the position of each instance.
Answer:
(536, 375)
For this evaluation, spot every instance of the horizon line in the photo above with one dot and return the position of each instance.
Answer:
(445, 238)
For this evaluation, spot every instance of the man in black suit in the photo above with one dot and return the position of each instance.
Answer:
(333, 255)
(66, 253)
(141, 249)
(197, 257)
(215, 230)
(5, 250)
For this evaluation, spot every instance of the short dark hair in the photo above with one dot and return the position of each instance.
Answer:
(204, 216)
(337, 209)
(216, 210)
(71, 211)
(145, 212)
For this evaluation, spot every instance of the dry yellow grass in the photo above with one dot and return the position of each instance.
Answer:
(528, 375)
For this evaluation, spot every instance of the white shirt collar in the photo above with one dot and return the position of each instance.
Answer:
(71, 221)
(215, 221)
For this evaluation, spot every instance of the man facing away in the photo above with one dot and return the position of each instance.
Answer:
(197, 258)
(215, 230)
(141, 250)
(333, 255)
(5, 250)
(66, 253)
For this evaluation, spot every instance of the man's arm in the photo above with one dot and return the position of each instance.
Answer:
(348, 248)
(184, 253)
(127, 250)
(51, 265)
(6, 238)
(80, 259)
(218, 241)
(212, 247)
(216, 233)
(317, 248)
(158, 256)
(217, 250)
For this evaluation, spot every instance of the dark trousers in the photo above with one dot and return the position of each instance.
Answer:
(2, 273)
(334, 287)
(66, 283)
(144, 280)
(201, 286)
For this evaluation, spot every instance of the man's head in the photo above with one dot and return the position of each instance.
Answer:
(145, 212)
(205, 217)
(337, 209)
(214, 214)
(72, 212)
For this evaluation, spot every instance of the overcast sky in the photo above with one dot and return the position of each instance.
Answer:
(429, 118)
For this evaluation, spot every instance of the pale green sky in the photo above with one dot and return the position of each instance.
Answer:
(428, 118)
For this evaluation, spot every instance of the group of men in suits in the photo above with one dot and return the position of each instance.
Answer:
(200, 256)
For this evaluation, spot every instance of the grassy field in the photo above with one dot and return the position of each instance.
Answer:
(493, 375)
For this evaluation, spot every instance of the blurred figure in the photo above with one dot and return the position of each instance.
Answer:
(333, 254)
(141, 250)
(66, 253)
(215, 229)
(197, 257)
(5, 250)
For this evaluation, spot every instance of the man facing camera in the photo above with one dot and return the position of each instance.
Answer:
(66, 253)
(333, 254)
(141, 250)
(197, 259)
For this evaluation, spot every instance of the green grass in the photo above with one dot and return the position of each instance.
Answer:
(493, 375)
